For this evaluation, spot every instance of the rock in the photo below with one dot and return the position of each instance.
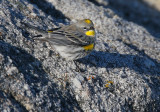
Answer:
(34, 78)
(149, 63)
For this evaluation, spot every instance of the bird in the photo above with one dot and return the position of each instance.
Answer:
(72, 41)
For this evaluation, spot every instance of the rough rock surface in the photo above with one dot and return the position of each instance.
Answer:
(121, 74)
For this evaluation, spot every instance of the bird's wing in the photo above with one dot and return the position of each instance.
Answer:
(69, 36)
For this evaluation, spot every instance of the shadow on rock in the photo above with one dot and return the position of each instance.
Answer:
(139, 63)
(49, 9)
(144, 15)
(34, 75)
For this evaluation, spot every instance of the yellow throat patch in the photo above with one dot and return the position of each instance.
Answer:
(90, 33)
(88, 47)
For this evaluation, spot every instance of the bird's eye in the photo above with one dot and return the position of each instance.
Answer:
(84, 28)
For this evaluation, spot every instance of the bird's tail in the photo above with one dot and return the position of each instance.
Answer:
(41, 33)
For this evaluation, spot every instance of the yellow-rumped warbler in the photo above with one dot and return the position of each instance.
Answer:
(71, 41)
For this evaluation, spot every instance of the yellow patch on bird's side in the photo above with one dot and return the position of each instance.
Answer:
(90, 33)
(88, 47)
(49, 31)
(88, 21)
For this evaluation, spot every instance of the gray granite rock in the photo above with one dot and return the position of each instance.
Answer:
(121, 74)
